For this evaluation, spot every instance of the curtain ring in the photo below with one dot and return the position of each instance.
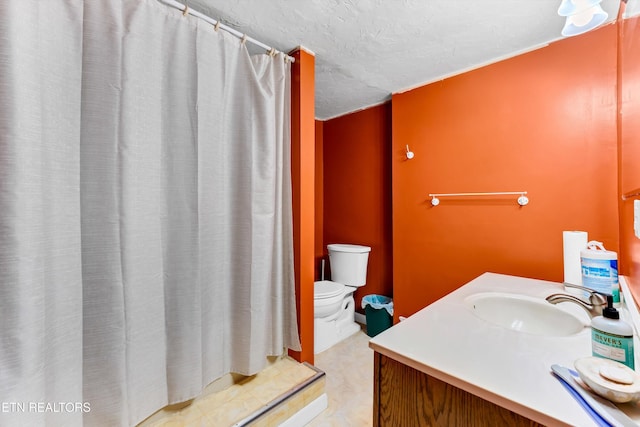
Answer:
(272, 52)
(244, 39)
(217, 26)
(186, 10)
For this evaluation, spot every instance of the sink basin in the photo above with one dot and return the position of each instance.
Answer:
(523, 313)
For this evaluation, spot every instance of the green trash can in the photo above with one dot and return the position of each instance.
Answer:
(379, 313)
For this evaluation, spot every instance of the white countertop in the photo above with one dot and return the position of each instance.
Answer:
(509, 368)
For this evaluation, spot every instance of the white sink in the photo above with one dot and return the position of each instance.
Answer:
(524, 313)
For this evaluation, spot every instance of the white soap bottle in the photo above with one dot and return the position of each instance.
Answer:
(612, 338)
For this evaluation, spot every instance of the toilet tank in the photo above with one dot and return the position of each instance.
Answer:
(348, 263)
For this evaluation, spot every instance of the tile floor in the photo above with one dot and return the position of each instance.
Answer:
(349, 383)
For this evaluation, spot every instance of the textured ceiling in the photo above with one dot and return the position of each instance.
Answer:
(367, 50)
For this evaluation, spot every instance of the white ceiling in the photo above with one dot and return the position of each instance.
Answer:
(366, 50)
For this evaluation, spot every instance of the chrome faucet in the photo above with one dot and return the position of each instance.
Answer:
(597, 301)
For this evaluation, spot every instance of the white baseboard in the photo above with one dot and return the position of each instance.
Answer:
(308, 413)
(361, 318)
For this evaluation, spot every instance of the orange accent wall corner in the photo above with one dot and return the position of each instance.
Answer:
(357, 191)
(542, 122)
(629, 147)
(319, 206)
(303, 182)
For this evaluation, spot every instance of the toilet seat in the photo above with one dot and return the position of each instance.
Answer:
(327, 289)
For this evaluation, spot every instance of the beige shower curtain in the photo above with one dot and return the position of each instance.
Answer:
(145, 210)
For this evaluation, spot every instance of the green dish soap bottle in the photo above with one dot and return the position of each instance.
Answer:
(612, 338)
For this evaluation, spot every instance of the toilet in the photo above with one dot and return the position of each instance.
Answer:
(333, 303)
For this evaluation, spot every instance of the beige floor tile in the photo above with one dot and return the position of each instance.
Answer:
(173, 421)
(266, 392)
(193, 416)
(232, 411)
(349, 383)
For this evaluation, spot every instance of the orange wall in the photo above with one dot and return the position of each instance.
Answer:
(542, 122)
(357, 191)
(319, 205)
(629, 122)
(302, 186)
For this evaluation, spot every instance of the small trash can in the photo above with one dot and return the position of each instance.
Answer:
(379, 312)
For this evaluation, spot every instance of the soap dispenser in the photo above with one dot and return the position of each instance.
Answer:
(612, 338)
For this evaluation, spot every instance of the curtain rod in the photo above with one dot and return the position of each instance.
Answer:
(186, 9)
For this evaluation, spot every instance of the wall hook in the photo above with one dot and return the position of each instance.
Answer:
(409, 153)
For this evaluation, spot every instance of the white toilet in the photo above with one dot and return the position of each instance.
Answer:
(333, 303)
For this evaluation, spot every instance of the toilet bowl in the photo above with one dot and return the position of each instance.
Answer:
(333, 303)
(327, 298)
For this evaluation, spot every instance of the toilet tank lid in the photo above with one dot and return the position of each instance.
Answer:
(343, 247)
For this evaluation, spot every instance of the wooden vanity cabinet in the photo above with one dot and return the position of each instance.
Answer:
(404, 396)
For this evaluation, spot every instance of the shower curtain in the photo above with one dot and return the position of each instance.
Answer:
(145, 210)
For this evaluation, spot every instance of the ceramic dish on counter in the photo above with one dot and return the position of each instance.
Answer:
(609, 379)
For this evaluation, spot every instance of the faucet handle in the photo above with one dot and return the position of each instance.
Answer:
(598, 298)
(595, 297)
